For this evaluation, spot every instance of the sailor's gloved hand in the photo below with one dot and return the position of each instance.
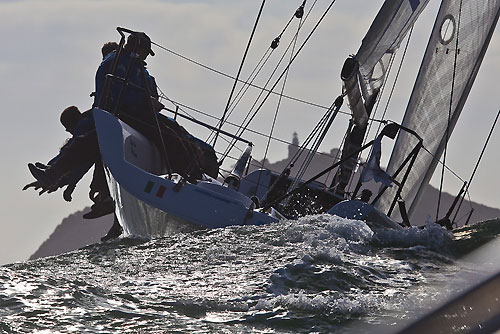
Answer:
(34, 184)
(37, 186)
(68, 192)
(41, 166)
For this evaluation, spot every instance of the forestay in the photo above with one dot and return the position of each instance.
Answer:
(444, 81)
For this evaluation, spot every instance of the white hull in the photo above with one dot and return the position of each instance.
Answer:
(359, 210)
(148, 204)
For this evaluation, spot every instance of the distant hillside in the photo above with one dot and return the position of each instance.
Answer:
(75, 232)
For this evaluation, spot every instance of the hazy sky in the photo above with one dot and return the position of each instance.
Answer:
(51, 50)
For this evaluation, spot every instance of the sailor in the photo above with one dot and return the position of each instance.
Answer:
(77, 124)
(107, 48)
(133, 101)
(133, 106)
(192, 157)
(84, 148)
(366, 194)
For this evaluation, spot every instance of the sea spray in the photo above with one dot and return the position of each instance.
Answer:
(316, 274)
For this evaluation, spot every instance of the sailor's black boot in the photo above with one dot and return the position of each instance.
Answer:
(101, 208)
(114, 232)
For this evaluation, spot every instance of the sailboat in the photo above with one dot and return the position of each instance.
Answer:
(363, 76)
(458, 43)
(150, 202)
(456, 48)
(150, 199)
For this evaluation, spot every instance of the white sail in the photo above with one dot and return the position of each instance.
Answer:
(387, 31)
(364, 74)
(444, 81)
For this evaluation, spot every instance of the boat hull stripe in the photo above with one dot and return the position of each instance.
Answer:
(160, 191)
(149, 187)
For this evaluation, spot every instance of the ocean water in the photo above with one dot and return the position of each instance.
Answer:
(319, 274)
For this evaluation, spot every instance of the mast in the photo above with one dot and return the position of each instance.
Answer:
(446, 71)
(365, 73)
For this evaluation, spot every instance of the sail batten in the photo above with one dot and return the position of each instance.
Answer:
(443, 84)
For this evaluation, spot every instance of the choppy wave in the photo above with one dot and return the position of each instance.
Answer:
(317, 274)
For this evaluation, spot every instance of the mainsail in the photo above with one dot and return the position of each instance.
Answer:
(365, 73)
(459, 39)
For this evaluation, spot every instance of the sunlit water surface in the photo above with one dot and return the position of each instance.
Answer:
(320, 274)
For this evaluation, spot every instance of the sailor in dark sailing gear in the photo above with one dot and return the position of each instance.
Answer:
(77, 124)
(185, 154)
(84, 148)
(107, 48)
(133, 104)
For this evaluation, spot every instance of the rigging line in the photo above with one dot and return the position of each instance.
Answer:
(303, 147)
(262, 92)
(396, 78)
(180, 104)
(324, 124)
(318, 141)
(294, 57)
(442, 163)
(272, 47)
(291, 44)
(466, 193)
(244, 88)
(281, 94)
(235, 125)
(239, 70)
(261, 134)
(291, 98)
(480, 156)
(180, 109)
(282, 141)
(379, 98)
(462, 217)
(255, 73)
(279, 103)
(240, 127)
(447, 133)
(286, 26)
(309, 138)
(309, 152)
(251, 78)
(322, 131)
(305, 144)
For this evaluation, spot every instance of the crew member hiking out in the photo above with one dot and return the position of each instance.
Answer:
(125, 88)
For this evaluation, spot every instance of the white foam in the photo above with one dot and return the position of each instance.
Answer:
(432, 236)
